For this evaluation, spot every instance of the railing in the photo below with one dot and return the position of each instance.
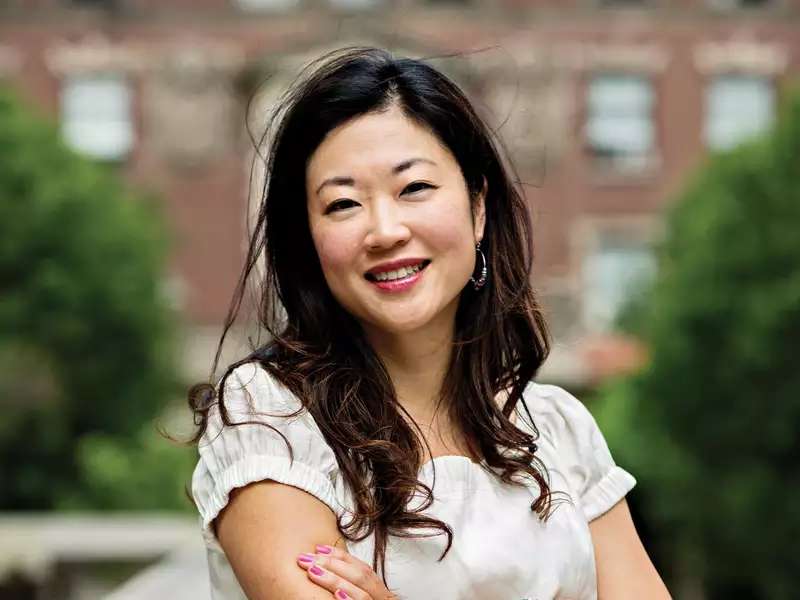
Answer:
(60, 554)
(183, 575)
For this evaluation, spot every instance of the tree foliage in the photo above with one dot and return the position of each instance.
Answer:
(86, 335)
(710, 425)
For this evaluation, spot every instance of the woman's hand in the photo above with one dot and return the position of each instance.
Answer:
(343, 575)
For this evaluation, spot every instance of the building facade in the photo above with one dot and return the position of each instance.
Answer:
(605, 107)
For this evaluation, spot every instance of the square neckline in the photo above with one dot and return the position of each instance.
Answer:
(460, 458)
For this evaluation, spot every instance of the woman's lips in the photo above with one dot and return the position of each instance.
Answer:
(402, 284)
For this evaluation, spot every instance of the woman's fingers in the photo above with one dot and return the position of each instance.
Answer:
(332, 574)
(343, 555)
(343, 570)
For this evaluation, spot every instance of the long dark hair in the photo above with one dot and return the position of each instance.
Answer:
(318, 350)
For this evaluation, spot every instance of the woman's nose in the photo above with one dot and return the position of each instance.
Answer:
(387, 227)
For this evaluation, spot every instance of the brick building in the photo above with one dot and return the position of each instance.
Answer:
(605, 106)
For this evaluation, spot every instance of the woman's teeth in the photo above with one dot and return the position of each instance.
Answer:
(398, 274)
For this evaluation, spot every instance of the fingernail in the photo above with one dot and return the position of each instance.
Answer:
(316, 570)
(342, 594)
(322, 549)
(306, 558)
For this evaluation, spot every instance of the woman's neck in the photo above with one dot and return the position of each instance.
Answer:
(417, 363)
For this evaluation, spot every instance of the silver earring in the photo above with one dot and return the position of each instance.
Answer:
(481, 281)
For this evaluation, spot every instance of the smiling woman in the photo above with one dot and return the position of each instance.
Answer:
(399, 213)
(389, 441)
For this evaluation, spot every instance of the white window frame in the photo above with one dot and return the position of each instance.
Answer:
(598, 314)
(740, 126)
(599, 124)
(103, 131)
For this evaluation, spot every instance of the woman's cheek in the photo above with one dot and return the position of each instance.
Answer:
(445, 228)
(337, 251)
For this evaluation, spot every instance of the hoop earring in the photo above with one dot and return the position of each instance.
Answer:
(481, 281)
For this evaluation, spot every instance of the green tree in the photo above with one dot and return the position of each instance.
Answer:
(86, 336)
(710, 425)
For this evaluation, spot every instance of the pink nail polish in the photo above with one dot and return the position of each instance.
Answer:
(342, 594)
(322, 549)
(305, 558)
(315, 570)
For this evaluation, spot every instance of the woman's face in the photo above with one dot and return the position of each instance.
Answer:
(391, 221)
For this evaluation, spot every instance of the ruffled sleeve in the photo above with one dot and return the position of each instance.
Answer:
(581, 450)
(232, 456)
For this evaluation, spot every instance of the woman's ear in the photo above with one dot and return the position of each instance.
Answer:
(479, 212)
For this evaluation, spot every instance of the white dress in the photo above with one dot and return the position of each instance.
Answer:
(500, 551)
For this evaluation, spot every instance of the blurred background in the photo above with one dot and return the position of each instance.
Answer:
(658, 143)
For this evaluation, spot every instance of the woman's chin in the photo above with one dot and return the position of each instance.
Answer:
(401, 327)
(399, 324)
(409, 317)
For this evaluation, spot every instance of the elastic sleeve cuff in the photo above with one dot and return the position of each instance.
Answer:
(260, 468)
(607, 492)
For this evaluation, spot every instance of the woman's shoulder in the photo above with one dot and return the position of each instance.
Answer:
(562, 422)
(579, 447)
(259, 386)
(250, 389)
(555, 405)
(252, 398)
(258, 430)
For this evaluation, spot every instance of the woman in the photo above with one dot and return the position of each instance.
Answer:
(389, 442)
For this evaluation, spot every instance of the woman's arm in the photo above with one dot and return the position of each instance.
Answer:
(263, 529)
(624, 570)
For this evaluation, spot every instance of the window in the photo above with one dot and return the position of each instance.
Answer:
(96, 115)
(734, 4)
(737, 108)
(266, 5)
(354, 4)
(618, 266)
(173, 289)
(95, 3)
(619, 126)
(624, 3)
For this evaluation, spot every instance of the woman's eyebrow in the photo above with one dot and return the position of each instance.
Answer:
(396, 170)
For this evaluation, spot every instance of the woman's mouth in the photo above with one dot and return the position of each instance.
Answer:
(399, 279)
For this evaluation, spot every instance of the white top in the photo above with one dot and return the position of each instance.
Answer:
(501, 550)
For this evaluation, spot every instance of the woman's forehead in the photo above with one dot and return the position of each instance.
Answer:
(372, 145)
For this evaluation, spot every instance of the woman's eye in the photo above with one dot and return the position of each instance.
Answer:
(420, 185)
(339, 205)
